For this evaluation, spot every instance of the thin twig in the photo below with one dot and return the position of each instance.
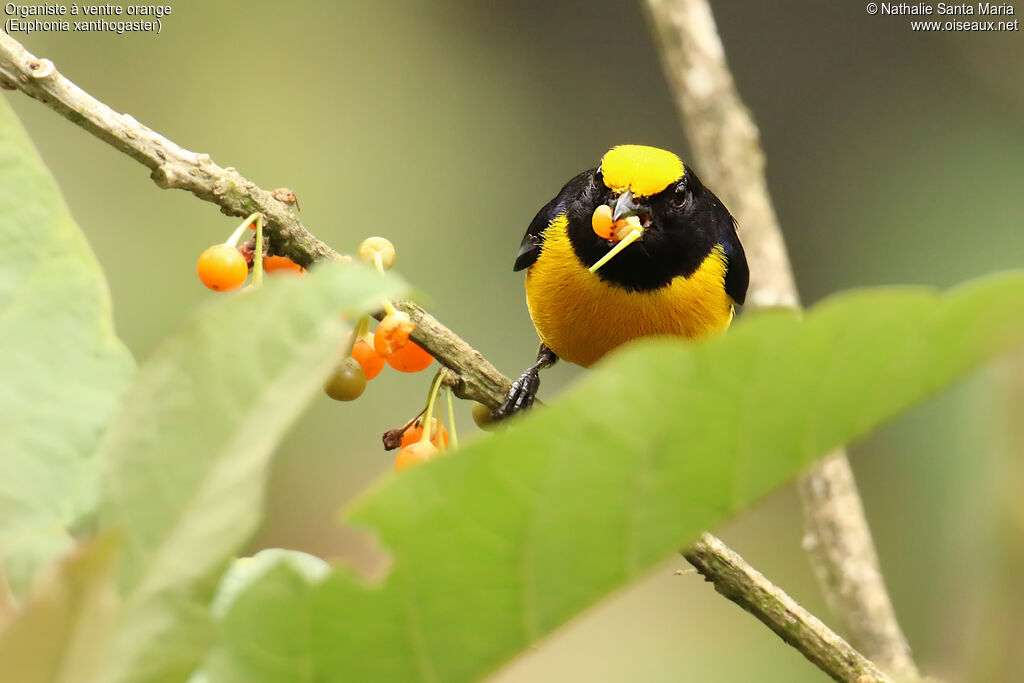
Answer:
(725, 141)
(748, 588)
(472, 376)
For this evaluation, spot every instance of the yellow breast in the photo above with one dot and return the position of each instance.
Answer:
(581, 317)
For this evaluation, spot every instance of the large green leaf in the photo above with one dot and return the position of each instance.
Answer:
(186, 459)
(63, 369)
(494, 547)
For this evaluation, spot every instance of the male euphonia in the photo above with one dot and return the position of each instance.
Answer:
(672, 263)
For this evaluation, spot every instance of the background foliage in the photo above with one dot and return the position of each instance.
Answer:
(893, 157)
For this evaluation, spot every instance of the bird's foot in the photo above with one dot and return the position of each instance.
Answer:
(521, 394)
(523, 391)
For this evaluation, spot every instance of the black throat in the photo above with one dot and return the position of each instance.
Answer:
(681, 236)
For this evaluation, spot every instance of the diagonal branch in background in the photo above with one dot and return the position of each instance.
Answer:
(725, 140)
(175, 167)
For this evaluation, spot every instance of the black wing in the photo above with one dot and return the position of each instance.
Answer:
(529, 250)
(737, 274)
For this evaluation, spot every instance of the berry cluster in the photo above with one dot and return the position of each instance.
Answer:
(225, 267)
(367, 353)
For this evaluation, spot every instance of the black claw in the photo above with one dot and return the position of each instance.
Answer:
(521, 395)
(523, 392)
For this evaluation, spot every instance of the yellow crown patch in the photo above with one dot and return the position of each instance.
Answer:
(643, 170)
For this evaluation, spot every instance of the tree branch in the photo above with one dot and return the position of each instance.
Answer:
(725, 141)
(174, 167)
(748, 588)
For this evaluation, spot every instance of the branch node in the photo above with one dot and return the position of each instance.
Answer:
(165, 177)
(285, 196)
(41, 68)
(449, 377)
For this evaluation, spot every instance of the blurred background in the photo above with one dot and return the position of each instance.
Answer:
(893, 157)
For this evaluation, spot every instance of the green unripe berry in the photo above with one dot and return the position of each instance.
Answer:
(347, 382)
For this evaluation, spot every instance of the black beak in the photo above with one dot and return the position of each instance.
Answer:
(625, 206)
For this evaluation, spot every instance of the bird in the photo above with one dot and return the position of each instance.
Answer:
(636, 247)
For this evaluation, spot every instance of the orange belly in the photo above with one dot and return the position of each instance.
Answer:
(581, 317)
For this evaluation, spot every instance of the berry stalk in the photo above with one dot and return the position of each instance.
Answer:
(451, 416)
(428, 414)
(237, 234)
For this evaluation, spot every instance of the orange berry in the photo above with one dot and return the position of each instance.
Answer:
(438, 433)
(415, 454)
(392, 333)
(365, 355)
(282, 263)
(410, 358)
(602, 221)
(222, 268)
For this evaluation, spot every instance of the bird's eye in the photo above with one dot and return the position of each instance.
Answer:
(680, 195)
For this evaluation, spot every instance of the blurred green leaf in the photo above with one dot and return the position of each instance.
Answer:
(63, 368)
(62, 632)
(276, 576)
(284, 595)
(185, 461)
(246, 571)
(496, 546)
